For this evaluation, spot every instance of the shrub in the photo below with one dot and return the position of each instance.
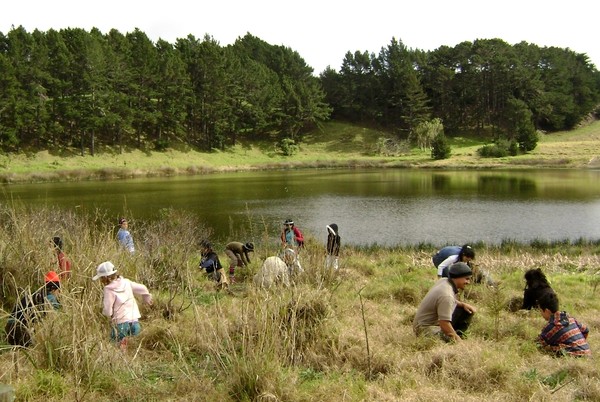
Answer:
(493, 151)
(440, 148)
(527, 138)
(288, 147)
(391, 147)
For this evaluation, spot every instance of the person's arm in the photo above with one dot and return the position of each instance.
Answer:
(544, 340)
(448, 330)
(51, 297)
(283, 241)
(208, 262)
(245, 257)
(299, 237)
(141, 290)
(467, 307)
(108, 302)
(583, 328)
(445, 264)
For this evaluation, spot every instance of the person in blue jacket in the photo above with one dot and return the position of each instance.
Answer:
(451, 254)
(124, 236)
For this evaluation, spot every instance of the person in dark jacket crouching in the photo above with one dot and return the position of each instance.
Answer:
(29, 308)
(212, 265)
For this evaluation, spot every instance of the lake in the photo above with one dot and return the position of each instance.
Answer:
(371, 206)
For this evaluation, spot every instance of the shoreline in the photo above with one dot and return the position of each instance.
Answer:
(337, 146)
(112, 173)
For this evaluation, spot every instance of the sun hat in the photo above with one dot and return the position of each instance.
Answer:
(105, 269)
(459, 270)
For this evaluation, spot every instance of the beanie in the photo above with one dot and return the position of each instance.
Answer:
(52, 281)
(51, 277)
(459, 270)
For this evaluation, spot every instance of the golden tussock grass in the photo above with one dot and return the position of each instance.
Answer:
(332, 336)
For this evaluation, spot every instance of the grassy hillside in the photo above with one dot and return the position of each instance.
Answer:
(334, 336)
(334, 144)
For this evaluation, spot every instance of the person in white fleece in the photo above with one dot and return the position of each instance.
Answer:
(119, 302)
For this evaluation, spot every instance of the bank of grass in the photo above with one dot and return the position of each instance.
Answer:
(334, 335)
(334, 144)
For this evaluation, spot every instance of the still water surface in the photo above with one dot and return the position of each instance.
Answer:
(383, 206)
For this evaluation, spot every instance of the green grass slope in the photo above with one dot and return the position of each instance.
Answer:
(334, 144)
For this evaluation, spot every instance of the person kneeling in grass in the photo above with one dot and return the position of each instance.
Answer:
(440, 313)
(119, 302)
(29, 308)
(562, 335)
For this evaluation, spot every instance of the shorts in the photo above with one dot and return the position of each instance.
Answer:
(125, 329)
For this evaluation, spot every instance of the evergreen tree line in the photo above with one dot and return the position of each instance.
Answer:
(77, 88)
(511, 91)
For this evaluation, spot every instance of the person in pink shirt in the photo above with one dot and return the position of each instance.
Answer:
(119, 302)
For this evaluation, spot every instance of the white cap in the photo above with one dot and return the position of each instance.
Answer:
(105, 269)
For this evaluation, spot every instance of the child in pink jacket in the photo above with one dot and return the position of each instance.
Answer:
(119, 302)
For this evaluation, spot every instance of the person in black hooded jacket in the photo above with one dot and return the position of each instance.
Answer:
(333, 246)
(212, 265)
(29, 308)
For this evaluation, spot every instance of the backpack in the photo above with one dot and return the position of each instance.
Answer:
(444, 253)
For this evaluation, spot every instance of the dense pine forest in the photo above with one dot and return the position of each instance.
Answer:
(74, 88)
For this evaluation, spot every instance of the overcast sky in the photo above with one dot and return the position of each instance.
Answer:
(322, 31)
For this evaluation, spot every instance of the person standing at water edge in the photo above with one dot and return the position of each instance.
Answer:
(440, 313)
(124, 237)
(119, 302)
(291, 236)
(333, 246)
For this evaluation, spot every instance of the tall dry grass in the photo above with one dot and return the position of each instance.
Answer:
(303, 343)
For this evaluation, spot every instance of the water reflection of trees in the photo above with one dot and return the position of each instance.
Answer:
(506, 185)
(441, 183)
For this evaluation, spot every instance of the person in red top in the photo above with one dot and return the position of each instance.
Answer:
(64, 263)
(291, 236)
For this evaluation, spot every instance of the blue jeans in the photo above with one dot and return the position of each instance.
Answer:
(120, 331)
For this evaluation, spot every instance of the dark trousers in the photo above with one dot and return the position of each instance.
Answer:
(461, 320)
(17, 334)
